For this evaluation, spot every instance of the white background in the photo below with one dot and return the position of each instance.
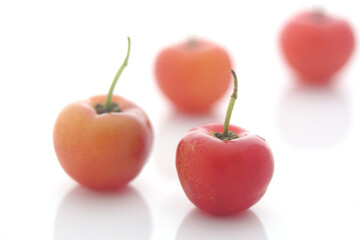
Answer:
(55, 52)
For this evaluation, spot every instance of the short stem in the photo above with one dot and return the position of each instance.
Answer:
(230, 106)
(319, 13)
(192, 41)
(107, 104)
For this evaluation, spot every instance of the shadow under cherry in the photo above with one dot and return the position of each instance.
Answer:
(199, 225)
(313, 117)
(86, 214)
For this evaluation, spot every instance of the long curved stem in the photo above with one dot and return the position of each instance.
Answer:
(230, 106)
(107, 104)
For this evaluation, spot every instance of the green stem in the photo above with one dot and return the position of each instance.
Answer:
(107, 104)
(230, 107)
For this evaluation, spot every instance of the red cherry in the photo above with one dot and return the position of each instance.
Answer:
(222, 168)
(316, 45)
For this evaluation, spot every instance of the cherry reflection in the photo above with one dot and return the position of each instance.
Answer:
(85, 214)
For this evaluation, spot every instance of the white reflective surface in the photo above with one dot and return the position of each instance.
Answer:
(84, 214)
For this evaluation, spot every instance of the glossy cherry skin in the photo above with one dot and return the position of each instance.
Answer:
(193, 75)
(317, 46)
(102, 151)
(223, 177)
